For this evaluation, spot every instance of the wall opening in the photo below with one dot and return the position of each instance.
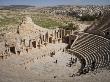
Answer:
(12, 50)
(66, 39)
(71, 42)
(1, 57)
(34, 44)
(18, 52)
(107, 33)
(50, 40)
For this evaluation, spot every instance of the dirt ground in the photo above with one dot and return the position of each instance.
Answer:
(46, 68)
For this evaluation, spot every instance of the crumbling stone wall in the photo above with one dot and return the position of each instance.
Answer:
(28, 36)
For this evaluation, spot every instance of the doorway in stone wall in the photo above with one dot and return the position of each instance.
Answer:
(12, 50)
(34, 44)
(50, 40)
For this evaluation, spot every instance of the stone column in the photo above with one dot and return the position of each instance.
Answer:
(60, 33)
(72, 32)
(54, 41)
(63, 32)
(23, 42)
(15, 50)
(8, 49)
(55, 34)
(29, 43)
(39, 44)
(41, 39)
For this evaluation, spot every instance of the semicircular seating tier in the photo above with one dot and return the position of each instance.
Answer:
(92, 49)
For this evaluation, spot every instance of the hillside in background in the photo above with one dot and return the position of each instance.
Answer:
(101, 26)
(51, 17)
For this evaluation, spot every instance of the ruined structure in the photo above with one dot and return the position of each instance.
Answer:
(92, 46)
(28, 36)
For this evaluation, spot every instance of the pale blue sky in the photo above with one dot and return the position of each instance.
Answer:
(54, 2)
